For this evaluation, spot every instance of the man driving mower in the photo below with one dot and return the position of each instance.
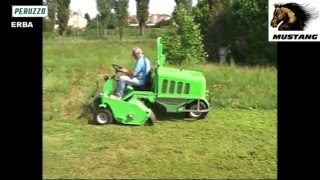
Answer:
(137, 77)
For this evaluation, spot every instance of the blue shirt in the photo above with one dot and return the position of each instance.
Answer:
(142, 68)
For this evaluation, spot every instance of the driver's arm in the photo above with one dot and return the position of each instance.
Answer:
(128, 73)
(134, 73)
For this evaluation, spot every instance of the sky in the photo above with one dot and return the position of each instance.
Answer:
(155, 7)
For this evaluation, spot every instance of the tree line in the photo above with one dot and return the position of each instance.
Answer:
(112, 13)
(213, 30)
(227, 30)
(239, 25)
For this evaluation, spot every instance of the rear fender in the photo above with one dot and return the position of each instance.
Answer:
(206, 102)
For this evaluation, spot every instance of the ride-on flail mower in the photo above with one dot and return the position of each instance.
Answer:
(176, 90)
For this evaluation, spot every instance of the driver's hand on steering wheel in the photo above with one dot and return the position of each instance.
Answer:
(124, 70)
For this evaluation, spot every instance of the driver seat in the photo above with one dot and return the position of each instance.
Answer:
(147, 86)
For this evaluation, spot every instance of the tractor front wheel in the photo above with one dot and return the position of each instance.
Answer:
(151, 120)
(103, 116)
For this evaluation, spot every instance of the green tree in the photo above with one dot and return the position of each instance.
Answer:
(142, 13)
(87, 16)
(186, 46)
(187, 4)
(104, 7)
(63, 15)
(52, 10)
(241, 25)
(113, 21)
(121, 9)
(248, 20)
(207, 14)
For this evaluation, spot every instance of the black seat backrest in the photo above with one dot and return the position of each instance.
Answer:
(148, 83)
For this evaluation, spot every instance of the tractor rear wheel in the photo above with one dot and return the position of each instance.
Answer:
(103, 116)
(194, 106)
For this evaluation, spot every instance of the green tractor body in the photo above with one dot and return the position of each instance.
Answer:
(176, 90)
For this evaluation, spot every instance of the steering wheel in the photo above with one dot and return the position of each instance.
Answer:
(116, 67)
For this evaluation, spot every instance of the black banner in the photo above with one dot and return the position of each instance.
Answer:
(22, 74)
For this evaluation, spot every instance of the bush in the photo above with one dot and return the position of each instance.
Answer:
(48, 35)
(164, 22)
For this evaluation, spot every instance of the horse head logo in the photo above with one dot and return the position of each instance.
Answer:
(293, 16)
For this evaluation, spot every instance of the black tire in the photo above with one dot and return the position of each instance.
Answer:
(103, 116)
(151, 120)
(196, 115)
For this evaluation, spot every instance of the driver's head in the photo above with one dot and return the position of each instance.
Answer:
(136, 52)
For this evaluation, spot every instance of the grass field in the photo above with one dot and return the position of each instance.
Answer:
(238, 139)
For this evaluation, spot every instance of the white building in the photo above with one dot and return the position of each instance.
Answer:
(77, 22)
(152, 20)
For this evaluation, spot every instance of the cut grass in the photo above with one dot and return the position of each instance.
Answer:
(229, 143)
